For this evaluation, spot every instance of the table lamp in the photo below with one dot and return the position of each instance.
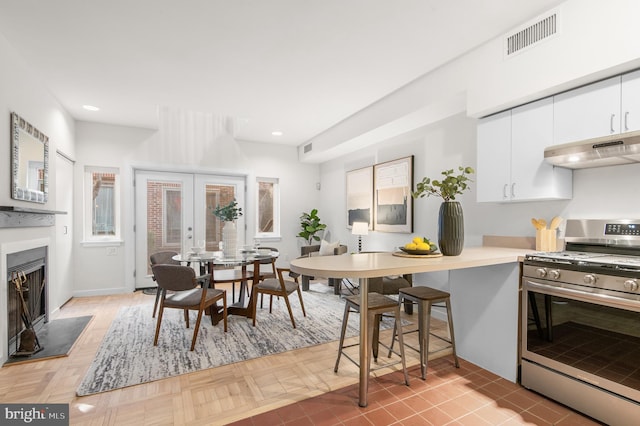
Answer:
(360, 229)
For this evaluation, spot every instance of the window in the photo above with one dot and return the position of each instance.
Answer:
(268, 208)
(102, 215)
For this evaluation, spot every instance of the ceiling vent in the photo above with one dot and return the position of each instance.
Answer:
(308, 147)
(532, 33)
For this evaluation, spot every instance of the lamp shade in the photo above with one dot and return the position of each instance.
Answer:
(360, 228)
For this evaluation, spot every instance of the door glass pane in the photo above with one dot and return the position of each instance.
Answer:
(103, 212)
(215, 195)
(164, 216)
(265, 207)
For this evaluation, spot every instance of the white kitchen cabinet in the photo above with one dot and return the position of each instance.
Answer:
(605, 108)
(511, 164)
(630, 109)
(493, 169)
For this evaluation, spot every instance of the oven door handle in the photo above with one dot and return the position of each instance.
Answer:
(602, 299)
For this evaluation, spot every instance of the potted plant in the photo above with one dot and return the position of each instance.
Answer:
(450, 216)
(310, 224)
(229, 214)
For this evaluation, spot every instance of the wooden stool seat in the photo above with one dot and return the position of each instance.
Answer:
(425, 297)
(377, 305)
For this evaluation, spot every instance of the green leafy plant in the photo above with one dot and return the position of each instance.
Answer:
(228, 213)
(310, 224)
(448, 187)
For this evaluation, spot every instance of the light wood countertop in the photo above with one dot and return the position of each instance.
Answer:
(369, 265)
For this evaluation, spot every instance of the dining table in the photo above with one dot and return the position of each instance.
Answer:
(217, 264)
(363, 266)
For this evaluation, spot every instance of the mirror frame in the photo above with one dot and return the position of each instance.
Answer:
(18, 125)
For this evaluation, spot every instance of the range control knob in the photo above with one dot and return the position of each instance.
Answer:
(631, 285)
(589, 279)
(542, 272)
(554, 274)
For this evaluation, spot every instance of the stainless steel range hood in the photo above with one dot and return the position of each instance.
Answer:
(605, 151)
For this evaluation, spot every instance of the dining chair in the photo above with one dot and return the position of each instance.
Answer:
(188, 293)
(277, 287)
(165, 258)
(266, 272)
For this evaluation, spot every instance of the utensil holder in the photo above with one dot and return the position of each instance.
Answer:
(546, 240)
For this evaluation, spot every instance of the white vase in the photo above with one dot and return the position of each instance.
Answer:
(229, 239)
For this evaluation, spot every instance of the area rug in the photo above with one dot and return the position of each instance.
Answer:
(57, 338)
(127, 356)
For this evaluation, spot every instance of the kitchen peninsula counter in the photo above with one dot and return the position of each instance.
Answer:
(369, 265)
(484, 287)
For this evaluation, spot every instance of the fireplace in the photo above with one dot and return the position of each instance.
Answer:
(26, 305)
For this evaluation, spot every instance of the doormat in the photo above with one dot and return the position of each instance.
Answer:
(57, 338)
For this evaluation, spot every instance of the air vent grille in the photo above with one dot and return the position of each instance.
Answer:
(308, 147)
(527, 37)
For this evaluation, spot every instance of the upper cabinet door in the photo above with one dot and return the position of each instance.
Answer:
(493, 170)
(587, 112)
(630, 111)
(532, 178)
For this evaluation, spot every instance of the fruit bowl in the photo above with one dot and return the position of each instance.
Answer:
(421, 252)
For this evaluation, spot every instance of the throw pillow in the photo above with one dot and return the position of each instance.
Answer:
(327, 248)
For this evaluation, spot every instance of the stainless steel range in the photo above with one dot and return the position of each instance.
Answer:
(581, 321)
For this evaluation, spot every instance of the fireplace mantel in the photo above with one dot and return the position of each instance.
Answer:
(23, 217)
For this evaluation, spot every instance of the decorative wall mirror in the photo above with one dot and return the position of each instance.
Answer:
(29, 161)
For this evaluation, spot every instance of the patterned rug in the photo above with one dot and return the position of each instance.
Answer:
(127, 356)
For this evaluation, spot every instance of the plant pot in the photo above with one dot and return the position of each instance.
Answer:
(450, 228)
(229, 239)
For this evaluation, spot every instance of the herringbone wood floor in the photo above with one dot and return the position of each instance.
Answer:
(215, 396)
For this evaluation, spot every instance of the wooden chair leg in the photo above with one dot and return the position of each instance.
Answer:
(224, 310)
(186, 317)
(293, 322)
(196, 328)
(254, 303)
(270, 302)
(158, 322)
(304, 313)
(155, 304)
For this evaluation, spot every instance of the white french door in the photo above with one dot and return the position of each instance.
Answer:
(174, 210)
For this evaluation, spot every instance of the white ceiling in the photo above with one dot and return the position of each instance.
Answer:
(298, 66)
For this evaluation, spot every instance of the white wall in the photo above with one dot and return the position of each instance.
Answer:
(22, 92)
(597, 39)
(126, 148)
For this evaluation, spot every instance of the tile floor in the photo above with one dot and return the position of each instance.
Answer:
(465, 396)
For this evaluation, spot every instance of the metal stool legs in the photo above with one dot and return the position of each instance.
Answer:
(375, 314)
(425, 297)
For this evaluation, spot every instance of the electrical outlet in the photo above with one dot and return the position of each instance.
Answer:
(285, 256)
(112, 251)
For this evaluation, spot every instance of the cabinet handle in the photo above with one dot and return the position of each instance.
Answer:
(611, 123)
(513, 190)
(626, 120)
(504, 191)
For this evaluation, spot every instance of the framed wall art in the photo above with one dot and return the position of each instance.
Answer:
(393, 204)
(359, 189)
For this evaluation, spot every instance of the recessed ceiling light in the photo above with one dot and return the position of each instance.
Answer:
(276, 133)
(90, 108)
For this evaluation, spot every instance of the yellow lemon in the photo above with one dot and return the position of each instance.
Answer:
(422, 246)
(410, 246)
(417, 240)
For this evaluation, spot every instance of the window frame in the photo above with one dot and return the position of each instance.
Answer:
(88, 237)
(275, 234)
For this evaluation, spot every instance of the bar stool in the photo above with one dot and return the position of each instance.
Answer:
(378, 305)
(425, 297)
